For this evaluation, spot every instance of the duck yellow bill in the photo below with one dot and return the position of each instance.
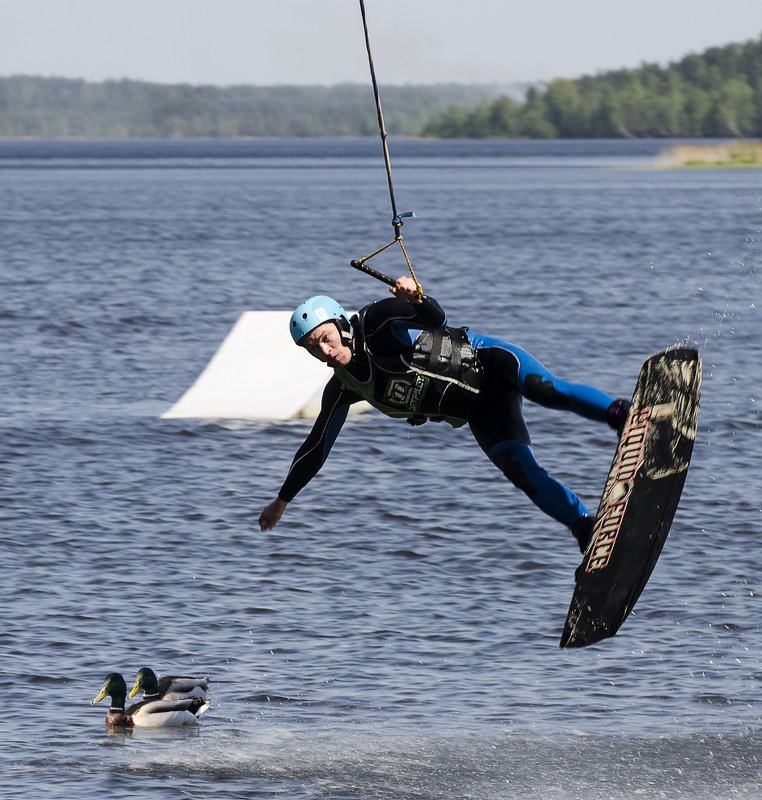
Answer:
(135, 689)
(103, 693)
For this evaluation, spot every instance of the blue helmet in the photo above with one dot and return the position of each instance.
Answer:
(314, 312)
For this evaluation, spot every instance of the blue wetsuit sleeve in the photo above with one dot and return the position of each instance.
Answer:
(313, 452)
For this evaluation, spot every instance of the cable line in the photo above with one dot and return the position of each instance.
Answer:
(397, 218)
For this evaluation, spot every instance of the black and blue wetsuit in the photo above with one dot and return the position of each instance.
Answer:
(408, 363)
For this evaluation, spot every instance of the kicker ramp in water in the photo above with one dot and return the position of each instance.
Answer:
(256, 374)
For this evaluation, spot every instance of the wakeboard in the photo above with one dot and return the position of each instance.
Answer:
(640, 496)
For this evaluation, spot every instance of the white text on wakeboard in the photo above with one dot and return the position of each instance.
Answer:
(618, 489)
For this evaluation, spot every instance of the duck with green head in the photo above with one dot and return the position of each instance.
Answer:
(168, 687)
(146, 713)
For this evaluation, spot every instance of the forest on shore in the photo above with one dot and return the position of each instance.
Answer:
(717, 93)
(123, 109)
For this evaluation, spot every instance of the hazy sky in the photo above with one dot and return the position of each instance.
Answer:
(226, 42)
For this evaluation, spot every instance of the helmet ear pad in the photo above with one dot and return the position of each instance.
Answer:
(345, 331)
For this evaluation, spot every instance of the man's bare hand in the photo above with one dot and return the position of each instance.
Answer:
(405, 289)
(271, 513)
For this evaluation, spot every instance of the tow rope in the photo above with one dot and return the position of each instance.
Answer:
(397, 218)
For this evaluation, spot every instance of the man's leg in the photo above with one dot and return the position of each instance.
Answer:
(501, 432)
(518, 463)
(538, 384)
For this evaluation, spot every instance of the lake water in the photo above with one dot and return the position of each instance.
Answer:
(396, 636)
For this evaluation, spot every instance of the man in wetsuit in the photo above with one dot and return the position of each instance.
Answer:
(400, 356)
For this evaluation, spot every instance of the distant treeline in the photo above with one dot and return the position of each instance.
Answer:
(60, 107)
(715, 94)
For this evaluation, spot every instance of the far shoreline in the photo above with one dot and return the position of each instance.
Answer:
(720, 153)
(738, 154)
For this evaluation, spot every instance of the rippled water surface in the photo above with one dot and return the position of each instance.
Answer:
(396, 636)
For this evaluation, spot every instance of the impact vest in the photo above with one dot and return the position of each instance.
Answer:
(441, 380)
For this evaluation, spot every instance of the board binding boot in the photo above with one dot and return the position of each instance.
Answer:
(616, 414)
(582, 530)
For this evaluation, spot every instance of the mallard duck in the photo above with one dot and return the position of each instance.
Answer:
(147, 713)
(169, 687)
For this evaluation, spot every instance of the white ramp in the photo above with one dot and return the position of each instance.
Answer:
(256, 374)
